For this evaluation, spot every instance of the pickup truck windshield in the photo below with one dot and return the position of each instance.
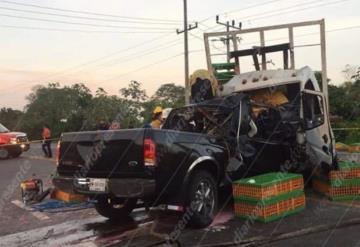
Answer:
(3, 129)
(209, 120)
(214, 117)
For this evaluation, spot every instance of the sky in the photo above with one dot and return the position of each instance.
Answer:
(122, 41)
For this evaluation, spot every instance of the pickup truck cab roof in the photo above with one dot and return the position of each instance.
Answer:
(269, 78)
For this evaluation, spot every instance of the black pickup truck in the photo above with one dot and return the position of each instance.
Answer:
(200, 148)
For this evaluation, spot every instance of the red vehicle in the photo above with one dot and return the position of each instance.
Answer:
(12, 144)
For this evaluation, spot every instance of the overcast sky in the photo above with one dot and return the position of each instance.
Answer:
(37, 49)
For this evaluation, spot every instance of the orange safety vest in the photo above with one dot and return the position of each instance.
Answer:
(46, 133)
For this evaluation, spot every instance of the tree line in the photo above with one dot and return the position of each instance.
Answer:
(75, 108)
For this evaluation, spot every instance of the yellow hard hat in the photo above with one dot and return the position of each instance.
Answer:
(157, 109)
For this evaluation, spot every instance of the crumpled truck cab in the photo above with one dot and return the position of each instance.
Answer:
(289, 104)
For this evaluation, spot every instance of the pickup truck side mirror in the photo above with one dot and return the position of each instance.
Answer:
(313, 110)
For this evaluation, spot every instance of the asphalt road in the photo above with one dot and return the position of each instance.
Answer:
(323, 223)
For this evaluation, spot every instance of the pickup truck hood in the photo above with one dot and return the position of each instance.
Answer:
(5, 137)
(12, 134)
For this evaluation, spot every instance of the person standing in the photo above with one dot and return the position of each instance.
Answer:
(46, 144)
(156, 120)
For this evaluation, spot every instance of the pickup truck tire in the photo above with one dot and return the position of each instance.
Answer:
(202, 199)
(115, 209)
(4, 153)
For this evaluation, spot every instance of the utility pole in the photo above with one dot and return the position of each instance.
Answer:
(227, 40)
(186, 51)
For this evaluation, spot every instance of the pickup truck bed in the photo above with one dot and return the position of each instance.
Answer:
(149, 164)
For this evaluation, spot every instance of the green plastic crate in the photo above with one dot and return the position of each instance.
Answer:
(275, 217)
(224, 75)
(223, 66)
(268, 179)
(345, 198)
(270, 200)
(345, 182)
(347, 165)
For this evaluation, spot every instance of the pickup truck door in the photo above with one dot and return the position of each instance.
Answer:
(317, 127)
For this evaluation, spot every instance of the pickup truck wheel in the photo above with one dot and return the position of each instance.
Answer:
(4, 153)
(115, 208)
(202, 199)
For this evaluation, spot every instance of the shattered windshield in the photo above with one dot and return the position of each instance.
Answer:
(3, 129)
(207, 120)
(217, 117)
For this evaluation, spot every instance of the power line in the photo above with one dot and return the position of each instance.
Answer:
(88, 12)
(242, 9)
(335, 30)
(296, 10)
(124, 59)
(92, 61)
(79, 30)
(277, 12)
(309, 34)
(86, 18)
(201, 50)
(146, 66)
(83, 24)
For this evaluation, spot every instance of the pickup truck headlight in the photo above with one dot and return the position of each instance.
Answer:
(13, 140)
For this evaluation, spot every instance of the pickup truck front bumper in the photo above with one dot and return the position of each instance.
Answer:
(122, 188)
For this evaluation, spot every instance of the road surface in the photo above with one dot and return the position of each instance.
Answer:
(323, 223)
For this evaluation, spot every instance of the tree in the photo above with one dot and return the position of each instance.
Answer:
(170, 95)
(167, 96)
(51, 104)
(134, 92)
(133, 99)
(11, 118)
(105, 108)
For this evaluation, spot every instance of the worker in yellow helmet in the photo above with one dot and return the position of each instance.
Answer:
(156, 120)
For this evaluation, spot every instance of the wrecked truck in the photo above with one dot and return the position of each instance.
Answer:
(262, 121)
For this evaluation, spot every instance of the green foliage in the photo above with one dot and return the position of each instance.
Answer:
(167, 96)
(170, 95)
(11, 118)
(61, 108)
(74, 108)
(345, 102)
(134, 98)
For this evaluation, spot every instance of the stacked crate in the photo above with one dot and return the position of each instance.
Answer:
(269, 197)
(343, 184)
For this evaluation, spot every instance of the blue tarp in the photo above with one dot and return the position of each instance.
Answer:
(56, 206)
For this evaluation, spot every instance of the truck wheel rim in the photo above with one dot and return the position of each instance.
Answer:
(204, 198)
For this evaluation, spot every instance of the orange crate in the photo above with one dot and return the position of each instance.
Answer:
(264, 212)
(67, 197)
(344, 191)
(345, 174)
(335, 192)
(242, 190)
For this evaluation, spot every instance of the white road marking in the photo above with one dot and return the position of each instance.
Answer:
(38, 215)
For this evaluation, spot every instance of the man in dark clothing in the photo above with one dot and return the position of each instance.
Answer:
(46, 145)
